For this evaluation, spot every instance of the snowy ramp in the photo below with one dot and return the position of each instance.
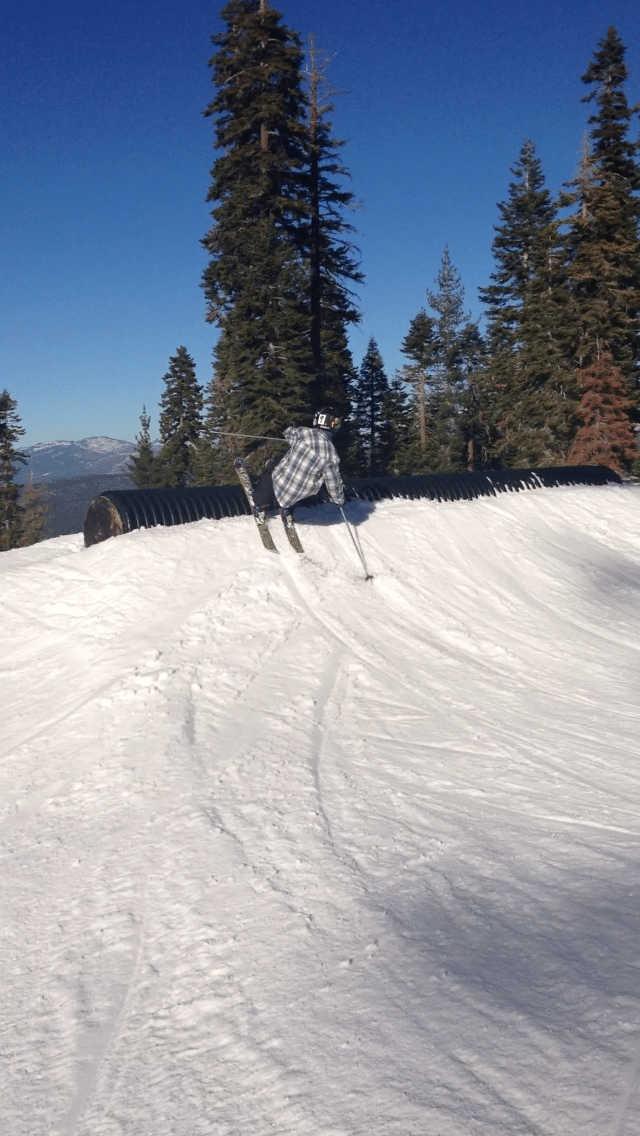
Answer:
(285, 852)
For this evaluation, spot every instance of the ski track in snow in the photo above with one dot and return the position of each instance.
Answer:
(287, 852)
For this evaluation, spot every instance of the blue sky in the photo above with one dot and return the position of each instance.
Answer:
(107, 159)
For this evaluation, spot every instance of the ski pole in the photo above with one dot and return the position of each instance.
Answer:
(368, 575)
(258, 437)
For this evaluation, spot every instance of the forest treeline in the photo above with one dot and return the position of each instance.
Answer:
(548, 377)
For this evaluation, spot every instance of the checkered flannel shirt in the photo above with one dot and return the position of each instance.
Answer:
(310, 460)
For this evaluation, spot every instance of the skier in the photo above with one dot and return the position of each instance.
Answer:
(310, 461)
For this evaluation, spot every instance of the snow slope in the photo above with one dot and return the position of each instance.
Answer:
(284, 852)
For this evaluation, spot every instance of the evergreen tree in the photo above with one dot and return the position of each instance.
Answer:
(603, 236)
(605, 434)
(402, 425)
(451, 400)
(215, 451)
(520, 250)
(10, 460)
(180, 421)
(420, 346)
(370, 409)
(445, 351)
(256, 282)
(448, 303)
(333, 264)
(143, 467)
(472, 413)
(527, 383)
(35, 502)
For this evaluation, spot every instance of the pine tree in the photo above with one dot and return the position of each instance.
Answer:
(472, 412)
(256, 282)
(143, 467)
(403, 443)
(215, 450)
(370, 409)
(180, 421)
(35, 503)
(451, 402)
(603, 237)
(420, 346)
(333, 264)
(519, 250)
(448, 303)
(10, 460)
(445, 351)
(527, 384)
(605, 435)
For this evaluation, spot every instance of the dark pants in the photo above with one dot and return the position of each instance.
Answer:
(263, 494)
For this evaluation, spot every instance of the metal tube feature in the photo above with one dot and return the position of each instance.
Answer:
(118, 511)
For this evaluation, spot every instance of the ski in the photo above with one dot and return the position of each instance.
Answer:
(244, 477)
(290, 529)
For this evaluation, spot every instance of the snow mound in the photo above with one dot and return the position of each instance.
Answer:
(288, 852)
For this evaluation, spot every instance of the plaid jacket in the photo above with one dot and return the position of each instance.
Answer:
(310, 460)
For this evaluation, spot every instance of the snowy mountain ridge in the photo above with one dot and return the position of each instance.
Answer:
(285, 851)
(82, 458)
(97, 444)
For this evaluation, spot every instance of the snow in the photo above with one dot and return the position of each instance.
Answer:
(286, 852)
(97, 445)
(102, 445)
(42, 447)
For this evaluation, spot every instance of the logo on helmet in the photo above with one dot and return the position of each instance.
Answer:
(326, 419)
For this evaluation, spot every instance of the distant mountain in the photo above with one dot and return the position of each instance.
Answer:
(53, 461)
(75, 473)
(69, 499)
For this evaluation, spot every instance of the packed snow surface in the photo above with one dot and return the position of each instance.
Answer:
(287, 853)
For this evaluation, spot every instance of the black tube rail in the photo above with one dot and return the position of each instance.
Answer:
(488, 483)
(118, 511)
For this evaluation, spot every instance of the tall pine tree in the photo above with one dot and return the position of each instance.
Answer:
(603, 237)
(283, 265)
(332, 260)
(420, 345)
(403, 447)
(371, 409)
(180, 422)
(11, 430)
(35, 505)
(143, 469)
(519, 250)
(526, 385)
(256, 284)
(605, 434)
(451, 406)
